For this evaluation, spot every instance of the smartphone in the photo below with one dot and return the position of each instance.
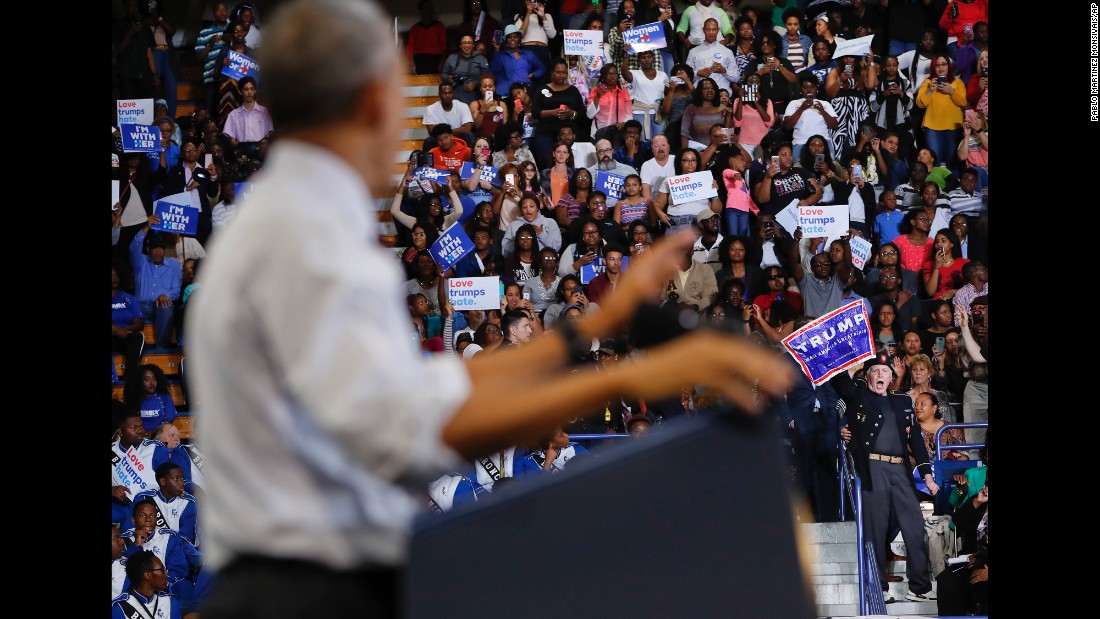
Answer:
(968, 29)
(941, 342)
(518, 105)
(510, 178)
(498, 37)
(857, 172)
(638, 247)
(527, 297)
(675, 80)
(775, 160)
(485, 153)
(819, 158)
(209, 160)
(429, 160)
(489, 96)
(985, 72)
(940, 80)
(977, 314)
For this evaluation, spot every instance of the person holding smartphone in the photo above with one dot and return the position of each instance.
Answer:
(847, 87)
(943, 97)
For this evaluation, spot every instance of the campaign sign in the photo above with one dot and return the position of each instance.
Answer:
(140, 139)
(242, 191)
(694, 186)
(432, 174)
(861, 250)
(488, 172)
(820, 220)
(176, 215)
(467, 293)
(853, 47)
(645, 37)
(452, 246)
(610, 184)
(593, 269)
(240, 66)
(135, 111)
(832, 343)
(583, 42)
(788, 217)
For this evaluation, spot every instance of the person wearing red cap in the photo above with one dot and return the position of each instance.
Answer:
(880, 425)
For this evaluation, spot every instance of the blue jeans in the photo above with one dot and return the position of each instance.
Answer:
(952, 50)
(162, 61)
(163, 319)
(655, 128)
(942, 143)
(983, 177)
(737, 222)
(898, 48)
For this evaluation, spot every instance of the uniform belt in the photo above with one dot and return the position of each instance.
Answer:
(890, 459)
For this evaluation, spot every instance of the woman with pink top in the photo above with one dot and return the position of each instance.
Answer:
(974, 147)
(914, 244)
(753, 114)
(609, 104)
(738, 202)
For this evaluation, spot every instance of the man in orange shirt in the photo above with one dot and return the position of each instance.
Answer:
(450, 152)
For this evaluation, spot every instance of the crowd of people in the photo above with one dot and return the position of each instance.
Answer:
(571, 160)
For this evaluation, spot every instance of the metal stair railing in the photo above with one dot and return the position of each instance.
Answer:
(871, 600)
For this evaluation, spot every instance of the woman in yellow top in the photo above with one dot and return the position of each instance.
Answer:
(944, 98)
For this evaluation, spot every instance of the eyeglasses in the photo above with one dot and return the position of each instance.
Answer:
(494, 331)
(718, 315)
(160, 569)
(924, 219)
(888, 253)
(603, 150)
(941, 64)
(419, 234)
(525, 238)
(591, 233)
(689, 160)
(549, 258)
(885, 276)
(960, 224)
(776, 276)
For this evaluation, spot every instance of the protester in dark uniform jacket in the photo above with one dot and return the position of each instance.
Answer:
(879, 426)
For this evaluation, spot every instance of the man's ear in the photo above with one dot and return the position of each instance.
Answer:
(369, 102)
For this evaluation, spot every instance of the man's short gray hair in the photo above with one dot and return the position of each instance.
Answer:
(318, 54)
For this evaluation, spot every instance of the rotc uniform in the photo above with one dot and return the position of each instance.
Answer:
(881, 428)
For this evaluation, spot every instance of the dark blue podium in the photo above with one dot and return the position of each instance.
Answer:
(692, 521)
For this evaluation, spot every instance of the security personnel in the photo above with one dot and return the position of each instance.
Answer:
(879, 426)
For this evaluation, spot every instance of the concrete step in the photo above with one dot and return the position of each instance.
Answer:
(829, 532)
(848, 593)
(849, 569)
(430, 90)
(897, 609)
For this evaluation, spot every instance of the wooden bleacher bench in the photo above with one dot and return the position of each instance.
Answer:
(186, 426)
(168, 362)
(151, 338)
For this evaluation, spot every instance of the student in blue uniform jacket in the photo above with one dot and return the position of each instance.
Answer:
(147, 595)
(176, 509)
